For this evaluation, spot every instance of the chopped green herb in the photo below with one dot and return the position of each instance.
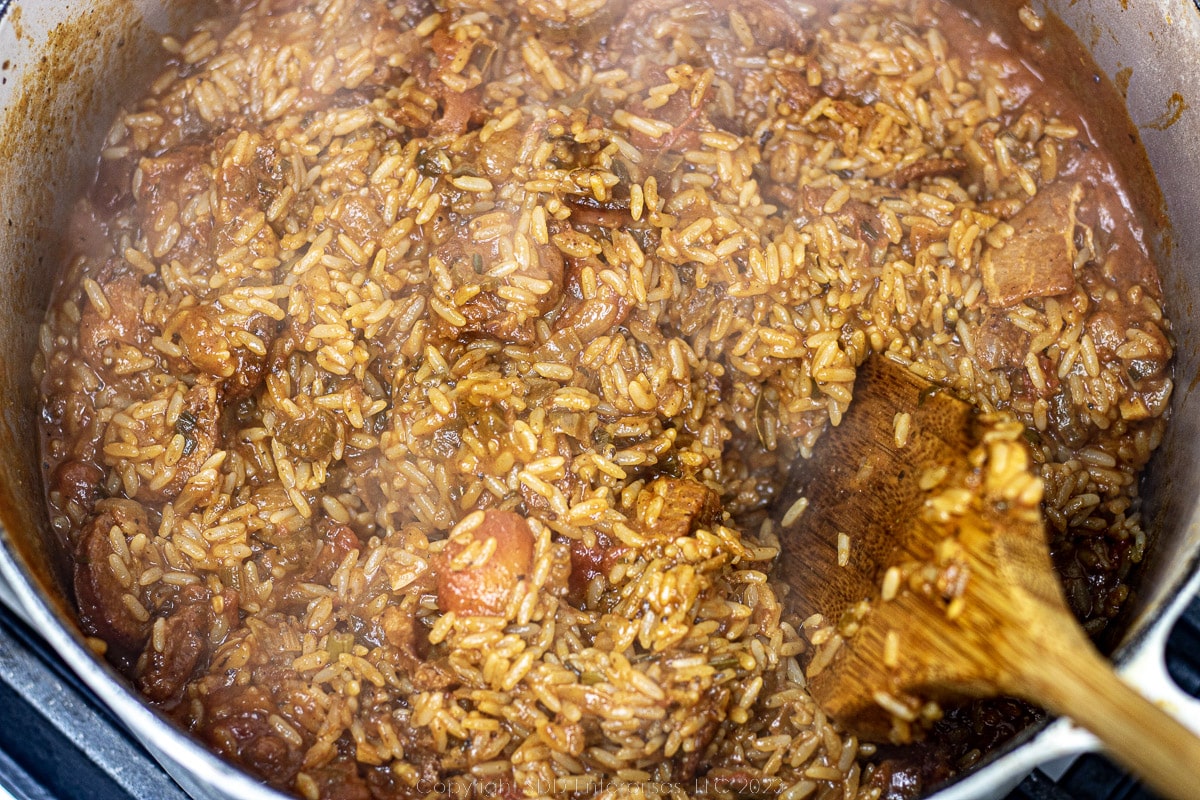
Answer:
(339, 643)
(186, 423)
(724, 662)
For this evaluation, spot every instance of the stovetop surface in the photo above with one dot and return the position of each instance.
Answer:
(57, 742)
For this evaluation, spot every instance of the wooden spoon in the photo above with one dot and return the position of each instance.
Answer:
(945, 588)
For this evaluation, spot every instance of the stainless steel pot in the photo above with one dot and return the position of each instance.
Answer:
(62, 72)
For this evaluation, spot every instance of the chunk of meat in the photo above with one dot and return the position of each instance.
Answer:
(486, 313)
(159, 184)
(501, 153)
(78, 481)
(712, 709)
(1038, 260)
(248, 178)
(238, 725)
(589, 563)
(410, 641)
(1148, 400)
(186, 644)
(858, 220)
(927, 168)
(104, 332)
(197, 425)
(313, 435)
(212, 347)
(999, 344)
(333, 542)
(485, 589)
(798, 95)
(340, 540)
(587, 318)
(486, 316)
(687, 505)
(458, 108)
(612, 213)
(100, 592)
(686, 121)
(339, 780)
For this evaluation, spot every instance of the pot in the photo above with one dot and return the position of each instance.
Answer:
(62, 73)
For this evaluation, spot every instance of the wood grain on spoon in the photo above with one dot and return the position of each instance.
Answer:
(943, 520)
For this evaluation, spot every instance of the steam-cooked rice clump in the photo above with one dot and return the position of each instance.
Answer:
(423, 374)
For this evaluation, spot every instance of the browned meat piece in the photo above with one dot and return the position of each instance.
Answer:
(1107, 328)
(358, 217)
(458, 108)
(114, 177)
(237, 724)
(243, 183)
(405, 634)
(594, 316)
(78, 481)
(410, 641)
(613, 213)
(797, 93)
(186, 644)
(687, 506)
(208, 347)
(712, 708)
(687, 123)
(924, 233)
(1071, 424)
(204, 341)
(421, 752)
(588, 563)
(855, 218)
(312, 435)
(488, 315)
(927, 168)
(999, 344)
(486, 589)
(102, 336)
(104, 610)
(501, 153)
(244, 187)
(340, 540)
(775, 23)
(1149, 399)
(197, 424)
(333, 542)
(1039, 259)
(249, 367)
(339, 780)
(159, 184)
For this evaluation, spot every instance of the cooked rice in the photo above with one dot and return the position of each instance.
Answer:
(366, 271)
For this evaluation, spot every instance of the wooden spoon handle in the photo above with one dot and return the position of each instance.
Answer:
(1078, 683)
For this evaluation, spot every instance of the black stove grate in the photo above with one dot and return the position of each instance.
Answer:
(58, 743)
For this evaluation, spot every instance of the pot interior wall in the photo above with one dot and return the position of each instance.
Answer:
(1147, 48)
(64, 75)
